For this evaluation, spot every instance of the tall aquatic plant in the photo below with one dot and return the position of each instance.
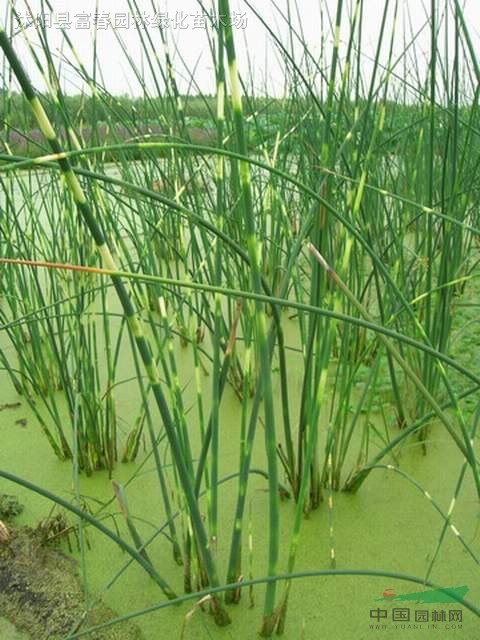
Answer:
(351, 227)
(134, 320)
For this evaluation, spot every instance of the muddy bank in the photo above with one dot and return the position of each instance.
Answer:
(41, 595)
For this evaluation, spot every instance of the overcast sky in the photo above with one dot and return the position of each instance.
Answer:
(185, 20)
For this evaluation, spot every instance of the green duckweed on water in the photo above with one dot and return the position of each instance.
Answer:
(9, 632)
(389, 523)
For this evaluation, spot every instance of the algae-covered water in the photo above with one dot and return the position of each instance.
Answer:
(8, 631)
(388, 525)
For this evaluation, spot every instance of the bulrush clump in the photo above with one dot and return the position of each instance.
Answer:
(290, 295)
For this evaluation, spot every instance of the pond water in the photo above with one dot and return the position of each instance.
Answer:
(8, 631)
(389, 525)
